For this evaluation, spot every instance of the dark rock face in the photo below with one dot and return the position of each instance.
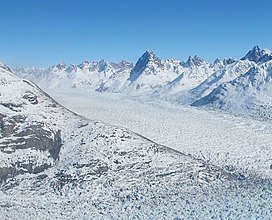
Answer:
(16, 134)
(253, 55)
(141, 65)
(32, 98)
(28, 142)
(194, 61)
(7, 172)
(228, 61)
(257, 55)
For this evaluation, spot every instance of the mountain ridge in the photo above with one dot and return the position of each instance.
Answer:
(174, 80)
(54, 161)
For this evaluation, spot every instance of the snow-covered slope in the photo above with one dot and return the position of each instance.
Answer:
(56, 164)
(248, 94)
(257, 55)
(46, 149)
(194, 81)
(226, 73)
(151, 73)
(102, 75)
(194, 71)
(148, 75)
(77, 143)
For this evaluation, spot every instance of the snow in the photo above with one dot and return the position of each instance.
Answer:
(102, 169)
(221, 138)
(148, 75)
(249, 94)
(132, 154)
(225, 74)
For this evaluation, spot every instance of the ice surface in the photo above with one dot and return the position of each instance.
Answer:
(151, 157)
(223, 139)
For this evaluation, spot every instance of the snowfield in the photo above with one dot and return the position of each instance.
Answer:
(56, 164)
(224, 140)
(244, 202)
(161, 139)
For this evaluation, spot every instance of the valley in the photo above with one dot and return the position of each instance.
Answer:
(146, 139)
(220, 138)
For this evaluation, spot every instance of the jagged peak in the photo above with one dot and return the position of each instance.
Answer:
(224, 62)
(124, 64)
(71, 68)
(267, 51)
(148, 58)
(85, 62)
(256, 48)
(61, 65)
(84, 65)
(102, 61)
(148, 55)
(149, 51)
(217, 61)
(103, 65)
(194, 61)
(253, 55)
(257, 55)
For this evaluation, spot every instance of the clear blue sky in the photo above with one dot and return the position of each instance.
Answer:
(45, 32)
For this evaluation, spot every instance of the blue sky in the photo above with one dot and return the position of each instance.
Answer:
(45, 32)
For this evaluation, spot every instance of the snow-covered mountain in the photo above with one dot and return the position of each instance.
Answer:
(257, 55)
(194, 71)
(166, 77)
(101, 76)
(227, 71)
(47, 149)
(248, 94)
(187, 82)
(148, 75)
(151, 73)
(243, 87)
(57, 164)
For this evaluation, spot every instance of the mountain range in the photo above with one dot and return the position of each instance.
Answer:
(194, 82)
(57, 164)
(51, 155)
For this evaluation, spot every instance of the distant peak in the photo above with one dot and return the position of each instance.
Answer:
(148, 55)
(256, 48)
(224, 62)
(84, 65)
(256, 54)
(147, 59)
(267, 51)
(71, 68)
(217, 61)
(194, 61)
(125, 63)
(149, 51)
(103, 65)
(61, 65)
